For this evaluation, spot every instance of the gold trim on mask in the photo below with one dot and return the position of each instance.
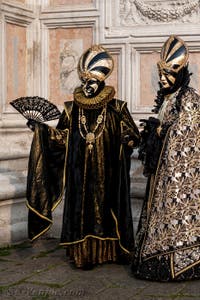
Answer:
(88, 75)
(179, 61)
(88, 71)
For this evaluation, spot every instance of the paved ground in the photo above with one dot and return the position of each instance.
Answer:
(40, 271)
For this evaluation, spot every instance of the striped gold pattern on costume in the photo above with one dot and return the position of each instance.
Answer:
(93, 251)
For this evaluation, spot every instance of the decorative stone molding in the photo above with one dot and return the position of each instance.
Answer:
(16, 13)
(69, 51)
(143, 58)
(23, 17)
(90, 8)
(140, 11)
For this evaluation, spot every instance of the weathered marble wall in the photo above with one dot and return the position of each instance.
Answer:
(41, 41)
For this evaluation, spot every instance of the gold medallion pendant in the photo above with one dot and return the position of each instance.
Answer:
(90, 139)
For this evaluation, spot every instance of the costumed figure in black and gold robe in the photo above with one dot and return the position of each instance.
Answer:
(85, 160)
(168, 237)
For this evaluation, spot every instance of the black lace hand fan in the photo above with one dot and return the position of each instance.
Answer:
(36, 108)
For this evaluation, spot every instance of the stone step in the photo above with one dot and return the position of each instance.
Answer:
(13, 165)
(13, 210)
(15, 143)
(13, 185)
(13, 221)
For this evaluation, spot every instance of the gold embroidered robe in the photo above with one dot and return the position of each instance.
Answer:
(168, 239)
(94, 184)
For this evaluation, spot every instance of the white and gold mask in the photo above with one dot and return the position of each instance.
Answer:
(174, 56)
(94, 66)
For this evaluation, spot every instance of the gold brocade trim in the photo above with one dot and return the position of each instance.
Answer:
(117, 231)
(120, 151)
(123, 106)
(171, 255)
(174, 275)
(121, 146)
(41, 233)
(57, 202)
(37, 213)
(158, 165)
(86, 237)
(170, 252)
(151, 190)
(187, 268)
(92, 251)
(84, 184)
(98, 101)
(67, 114)
(172, 265)
(41, 216)
(99, 238)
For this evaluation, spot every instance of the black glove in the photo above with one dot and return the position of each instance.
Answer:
(150, 145)
(127, 136)
(31, 124)
(150, 124)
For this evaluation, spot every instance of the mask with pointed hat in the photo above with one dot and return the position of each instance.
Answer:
(94, 66)
(174, 57)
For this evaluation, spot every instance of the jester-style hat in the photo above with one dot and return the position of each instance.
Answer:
(174, 55)
(96, 62)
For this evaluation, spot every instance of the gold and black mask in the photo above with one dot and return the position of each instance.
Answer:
(174, 56)
(94, 66)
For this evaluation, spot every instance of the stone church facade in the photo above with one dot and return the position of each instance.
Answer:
(41, 42)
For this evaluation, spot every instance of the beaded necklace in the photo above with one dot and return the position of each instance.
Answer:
(91, 135)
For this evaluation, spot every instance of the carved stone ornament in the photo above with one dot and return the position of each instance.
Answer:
(143, 11)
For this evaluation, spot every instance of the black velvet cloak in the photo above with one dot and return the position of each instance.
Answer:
(94, 185)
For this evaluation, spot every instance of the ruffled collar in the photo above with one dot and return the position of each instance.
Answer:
(96, 102)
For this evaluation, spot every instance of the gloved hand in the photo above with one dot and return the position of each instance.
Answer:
(127, 138)
(31, 124)
(150, 124)
(150, 145)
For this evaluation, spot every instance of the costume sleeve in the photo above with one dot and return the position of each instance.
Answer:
(45, 180)
(128, 126)
(121, 207)
(190, 108)
(60, 133)
(184, 137)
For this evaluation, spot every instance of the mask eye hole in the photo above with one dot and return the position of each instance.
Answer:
(92, 81)
(83, 81)
(175, 66)
(166, 72)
